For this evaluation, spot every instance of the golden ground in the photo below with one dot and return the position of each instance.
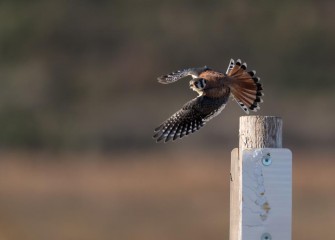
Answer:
(145, 196)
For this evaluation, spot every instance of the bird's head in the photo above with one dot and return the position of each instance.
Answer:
(198, 84)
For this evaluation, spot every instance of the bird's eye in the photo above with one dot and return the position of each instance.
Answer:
(200, 84)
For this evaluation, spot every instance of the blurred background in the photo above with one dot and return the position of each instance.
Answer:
(79, 101)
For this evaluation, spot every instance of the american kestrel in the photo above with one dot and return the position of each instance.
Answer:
(214, 89)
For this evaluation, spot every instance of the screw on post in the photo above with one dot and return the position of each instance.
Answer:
(266, 160)
(266, 236)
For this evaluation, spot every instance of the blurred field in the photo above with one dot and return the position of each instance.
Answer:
(171, 195)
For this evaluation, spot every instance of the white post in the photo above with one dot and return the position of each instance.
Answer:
(261, 182)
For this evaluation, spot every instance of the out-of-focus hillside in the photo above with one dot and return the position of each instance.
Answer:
(82, 74)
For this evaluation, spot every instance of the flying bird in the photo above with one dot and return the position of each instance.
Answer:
(214, 89)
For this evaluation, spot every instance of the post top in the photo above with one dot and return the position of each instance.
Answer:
(258, 116)
(260, 132)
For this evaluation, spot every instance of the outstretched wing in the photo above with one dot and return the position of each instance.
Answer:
(190, 118)
(175, 76)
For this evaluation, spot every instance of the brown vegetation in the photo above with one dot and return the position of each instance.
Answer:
(178, 195)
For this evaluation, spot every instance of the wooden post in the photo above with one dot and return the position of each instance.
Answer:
(261, 183)
(260, 132)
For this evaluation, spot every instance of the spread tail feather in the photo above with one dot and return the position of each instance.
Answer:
(244, 86)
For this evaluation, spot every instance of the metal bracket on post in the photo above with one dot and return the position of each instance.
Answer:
(266, 206)
(261, 182)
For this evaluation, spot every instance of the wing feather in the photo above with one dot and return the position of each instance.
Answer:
(190, 118)
(175, 76)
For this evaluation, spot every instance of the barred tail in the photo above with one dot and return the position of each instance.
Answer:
(244, 86)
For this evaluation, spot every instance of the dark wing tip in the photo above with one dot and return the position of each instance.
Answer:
(159, 128)
(163, 79)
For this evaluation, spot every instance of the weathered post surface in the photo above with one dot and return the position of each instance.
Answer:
(260, 132)
(261, 182)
